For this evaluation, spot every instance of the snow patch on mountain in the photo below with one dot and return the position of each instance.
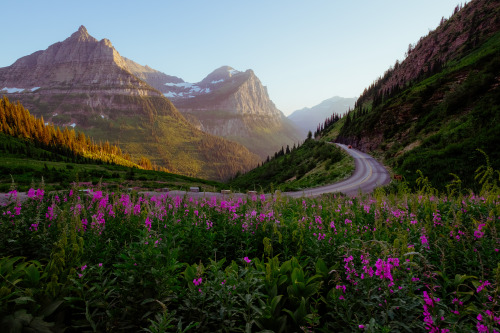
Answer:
(12, 90)
(18, 90)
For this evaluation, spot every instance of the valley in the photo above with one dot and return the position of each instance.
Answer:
(132, 200)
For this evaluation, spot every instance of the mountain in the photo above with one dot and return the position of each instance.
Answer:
(308, 119)
(231, 104)
(432, 111)
(85, 83)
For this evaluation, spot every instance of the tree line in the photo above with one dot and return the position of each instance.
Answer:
(17, 121)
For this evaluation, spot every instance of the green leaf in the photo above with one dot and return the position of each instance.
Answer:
(49, 309)
(321, 268)
(459, 279)
(23, 300)
(33, 275)
(274, 303)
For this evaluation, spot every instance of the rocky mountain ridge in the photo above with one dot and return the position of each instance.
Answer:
(85, 83)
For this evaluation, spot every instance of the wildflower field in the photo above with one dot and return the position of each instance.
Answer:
(406, 262)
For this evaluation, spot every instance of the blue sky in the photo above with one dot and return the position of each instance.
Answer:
(303, 51)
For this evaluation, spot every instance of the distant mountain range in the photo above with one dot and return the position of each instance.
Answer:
(86, 84)
(227, 103)
(307, 119)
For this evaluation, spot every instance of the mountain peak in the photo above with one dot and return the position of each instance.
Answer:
(82, 35)
(220, 74)
(83, 30)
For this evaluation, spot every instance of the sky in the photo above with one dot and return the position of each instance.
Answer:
(303, 51)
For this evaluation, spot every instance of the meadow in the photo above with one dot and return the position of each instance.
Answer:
(401, 261)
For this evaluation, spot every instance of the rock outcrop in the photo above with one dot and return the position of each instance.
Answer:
(234, 105)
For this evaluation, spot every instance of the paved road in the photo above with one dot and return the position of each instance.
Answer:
(368, 175)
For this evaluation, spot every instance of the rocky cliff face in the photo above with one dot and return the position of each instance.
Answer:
(85, 83)
(234, 105)
(153, 77)
(66, 64)
(78, 75)
(467, 28)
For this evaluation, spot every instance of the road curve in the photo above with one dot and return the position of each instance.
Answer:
(368, 174)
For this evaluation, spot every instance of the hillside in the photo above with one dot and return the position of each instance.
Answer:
(17, 122)
(311, 164)
(31, 151)
(86, 84)
(308, 119)
(433, 110)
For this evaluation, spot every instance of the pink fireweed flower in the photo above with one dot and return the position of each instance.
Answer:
(83, 267)
(478, 233)
(350, 271)
(247, 260)
(198, 281)
(483, 285)
(425, 241)
(96, 195)
(383, 268)
(137, 209)
(341, 287)
(148, 223)
(50, 213)
(31, 193)
(428, 320)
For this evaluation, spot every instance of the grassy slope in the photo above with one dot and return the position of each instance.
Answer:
(58, 171)
(149, 127)
(436, 125)
(312, 164)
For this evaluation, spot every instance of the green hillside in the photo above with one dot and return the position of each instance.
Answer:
(313, 163)
(436, 122)
(25, 164)
(153, 128)
(31, 150)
